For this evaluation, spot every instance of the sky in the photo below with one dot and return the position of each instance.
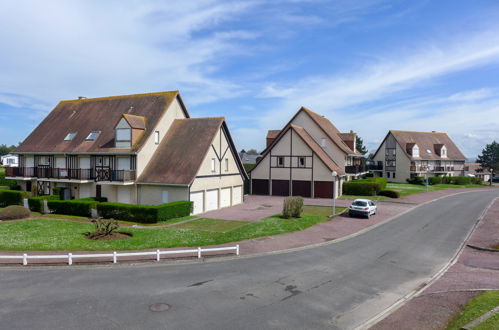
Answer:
(367, 65)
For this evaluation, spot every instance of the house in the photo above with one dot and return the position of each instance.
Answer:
(9, 160)
(475, 169)
(138, 149)
(404, 155)
(301, 158)
(247, 158)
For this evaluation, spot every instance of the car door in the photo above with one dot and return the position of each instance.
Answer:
(372, 207)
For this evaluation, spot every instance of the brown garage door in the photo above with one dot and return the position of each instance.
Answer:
(323, 189)
(280, 187)
(259, 187)
(302, 188)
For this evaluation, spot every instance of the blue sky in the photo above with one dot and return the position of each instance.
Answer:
(368, 65)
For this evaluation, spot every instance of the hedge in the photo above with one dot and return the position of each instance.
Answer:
(82, 208)
(435, 180)
(417, 180)
(389, 193)
(36, 203)
(11, 197)
(361, 188)
(144, 213)
(381, 181)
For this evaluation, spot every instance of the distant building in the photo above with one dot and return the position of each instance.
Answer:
(247, 158)
(475, 169)
(9, 160)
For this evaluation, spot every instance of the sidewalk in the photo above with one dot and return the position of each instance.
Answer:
(474, 270)
(336, 228)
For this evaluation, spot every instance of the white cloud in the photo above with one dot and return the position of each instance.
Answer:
(473, 95)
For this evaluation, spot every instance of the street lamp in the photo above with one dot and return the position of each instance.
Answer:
(334, 174)
(491, 170)
(427, 174)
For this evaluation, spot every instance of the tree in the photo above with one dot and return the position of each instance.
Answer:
(359, 145)
(4, 149)
(489, 159)
(252, 152)
(242, 151)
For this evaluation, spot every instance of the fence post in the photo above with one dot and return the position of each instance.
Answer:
(237, 249)
(157, 255)
(199, 252)
(70, 258)
(25, 259)
(114, 257)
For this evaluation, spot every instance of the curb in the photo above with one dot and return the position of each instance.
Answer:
(481, 248)
(417, 292)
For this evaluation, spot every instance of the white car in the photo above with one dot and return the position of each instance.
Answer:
(363, 207)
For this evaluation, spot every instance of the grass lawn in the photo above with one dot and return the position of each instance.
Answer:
(373, 198)
(322, 210)
(475, 308)
(48, 234)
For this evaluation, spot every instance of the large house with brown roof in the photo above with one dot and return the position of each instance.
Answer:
(404, 155)
(138, 149)
(300, 159)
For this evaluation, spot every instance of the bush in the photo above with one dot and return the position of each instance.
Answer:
(435, 180)
(381, 181)
(11, 197)
(389, 193)
(462, 180)
(417, 180)
(36, 203)
(96, 199)
(105, 227)
(15, 186)
(361, 188)
(144, 213)
(14, 212)
(82, 208)
(292, 208)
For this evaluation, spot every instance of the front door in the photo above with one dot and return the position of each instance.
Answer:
(98, 191)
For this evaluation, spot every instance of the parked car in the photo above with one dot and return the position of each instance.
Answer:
(496, 179)
(362, 207)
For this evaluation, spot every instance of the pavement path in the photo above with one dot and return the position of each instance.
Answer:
(334, 286)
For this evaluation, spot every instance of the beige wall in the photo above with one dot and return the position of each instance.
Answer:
(152, 194)
(149, 147)
(403, 166)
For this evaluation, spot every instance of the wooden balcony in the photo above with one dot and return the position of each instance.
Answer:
(71, 174)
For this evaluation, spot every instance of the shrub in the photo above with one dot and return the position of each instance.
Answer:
(105, 227)
(462, 180)
(435, 180)
(417, 180)
(389, 193)
(36, 203)
(292, 208)
(361, 188)
(11, 197)
(15, 186)
(381, 181)
(145, 213)
(96, 199)
(82, 208)
(14, 212)
(476, 180)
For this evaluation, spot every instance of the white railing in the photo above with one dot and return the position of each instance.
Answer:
(115, 255)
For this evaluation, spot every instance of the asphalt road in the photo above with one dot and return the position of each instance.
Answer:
(336, 286)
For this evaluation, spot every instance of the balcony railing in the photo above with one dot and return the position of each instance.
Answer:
(72, 174)
(375, 167)
(423, 168)
(354, 169)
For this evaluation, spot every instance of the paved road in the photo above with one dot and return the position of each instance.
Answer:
(335, 286)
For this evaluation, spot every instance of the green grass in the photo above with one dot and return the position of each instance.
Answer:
(218, 225)
(248, 166)
(373, 198)
(48, 234)
(475, 308)
(322, 210)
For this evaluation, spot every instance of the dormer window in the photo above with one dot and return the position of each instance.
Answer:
(123, 134)
(70, 136)
(443, 152)
(92, 136)
(415, 151)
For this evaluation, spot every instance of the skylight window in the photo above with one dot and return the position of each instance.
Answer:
(92, 136)
(428, 151)
(70, 136)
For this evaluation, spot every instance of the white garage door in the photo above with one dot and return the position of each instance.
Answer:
(211, 200)
(197, 200)
(124, 195)
(237, 193)
(225, 197)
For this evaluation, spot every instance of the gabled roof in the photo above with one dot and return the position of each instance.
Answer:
(432, 141)
(97, 114)
(181, 152)
(138, 122)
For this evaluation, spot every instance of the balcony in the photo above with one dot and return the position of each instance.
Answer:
(375, 167)
(355, 169)
(444, 168)
(423, 168)
(71, 174)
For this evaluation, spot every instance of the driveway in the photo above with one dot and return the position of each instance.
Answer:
(334, 286)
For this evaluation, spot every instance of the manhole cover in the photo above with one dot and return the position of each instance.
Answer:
(159, 307)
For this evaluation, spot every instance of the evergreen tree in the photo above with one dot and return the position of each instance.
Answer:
(359, 145)
(489, 159)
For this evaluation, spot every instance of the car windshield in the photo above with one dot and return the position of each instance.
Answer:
(359, 203)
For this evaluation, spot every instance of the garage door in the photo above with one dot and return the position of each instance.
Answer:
(237, 193)
(323, 189)
(280, 187)
(197, 200)
(211, 200)
(225, 197)
(124, 195)
(302, 188)
(259, 187)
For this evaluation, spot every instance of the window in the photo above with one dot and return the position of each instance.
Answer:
(415, 151)
(92, 136)
(388, 175)
(428, 151)
(226, 165)
(443, 152)
(156, 137)
(70, 136)
(391, 163)
(323, 142)
(123, 134)
(394, 175)
(301, 161)
(44, 160)
(390, 151)
(213, 165)
(280, 161)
